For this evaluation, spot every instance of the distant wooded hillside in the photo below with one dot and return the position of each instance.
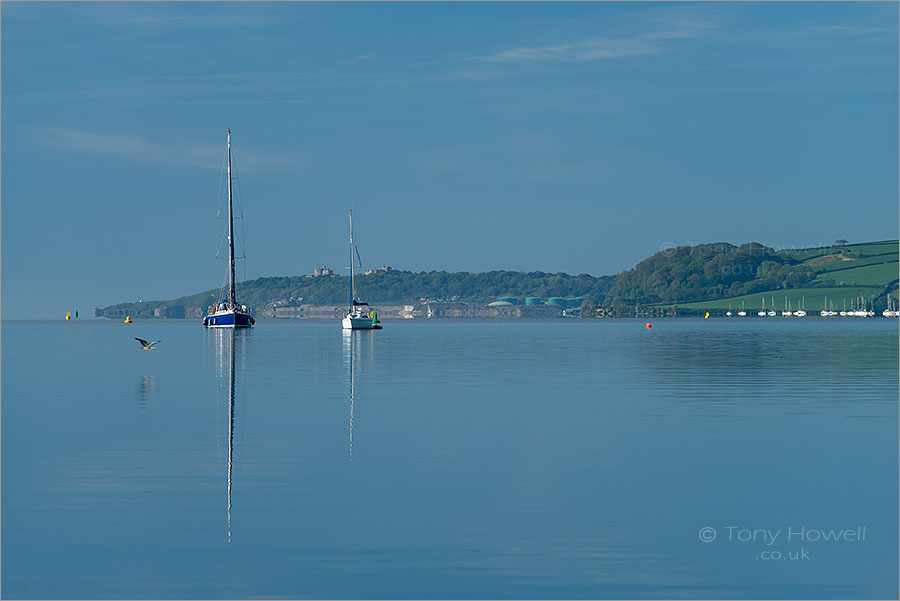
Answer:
(388, 288)
(713, 272)
(699, 274)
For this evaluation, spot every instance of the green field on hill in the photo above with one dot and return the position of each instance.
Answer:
(860, 251)
(812, 298)
(873, 248)
(867, 275)
(847, 262)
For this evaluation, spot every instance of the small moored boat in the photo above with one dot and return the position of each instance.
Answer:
(359, 315)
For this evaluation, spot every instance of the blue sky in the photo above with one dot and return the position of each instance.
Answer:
(576, 137)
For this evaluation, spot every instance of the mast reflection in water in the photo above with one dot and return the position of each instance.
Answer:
(352, 350)
(224, 341)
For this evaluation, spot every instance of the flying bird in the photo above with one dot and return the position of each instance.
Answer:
(147, 346)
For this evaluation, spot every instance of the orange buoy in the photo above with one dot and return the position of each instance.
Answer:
(649, 325)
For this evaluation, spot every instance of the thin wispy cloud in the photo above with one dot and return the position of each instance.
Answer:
(362, 58)
(473, 74)
(136, 148)
(638, 34)
(535, 146)
(542, 158)
(441, 161)
(851, 30)
(588, 50)
(149, 15)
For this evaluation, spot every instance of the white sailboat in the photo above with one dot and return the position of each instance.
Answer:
(771, 312)
(891, 310)
(762, 312)
(787, 308)
(359, 316)
(742, 313)
(802, 311)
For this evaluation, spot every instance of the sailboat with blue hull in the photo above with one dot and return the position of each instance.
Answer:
(228, 313)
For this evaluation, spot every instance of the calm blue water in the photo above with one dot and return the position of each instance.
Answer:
(476, 459)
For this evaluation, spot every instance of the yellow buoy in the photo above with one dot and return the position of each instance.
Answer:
(706, 316)
(127, 319)
(68, 315)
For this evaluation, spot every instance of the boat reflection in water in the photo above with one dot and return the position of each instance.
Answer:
(144, 391)
(353, 340)
(224, 341)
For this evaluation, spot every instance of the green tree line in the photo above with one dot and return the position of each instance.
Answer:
(707, 271)
(395, 288)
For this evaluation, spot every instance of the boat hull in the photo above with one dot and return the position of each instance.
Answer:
(359, 323)
(228, 319)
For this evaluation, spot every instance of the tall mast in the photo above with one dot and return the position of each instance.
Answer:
(352, 281)
(231, 299)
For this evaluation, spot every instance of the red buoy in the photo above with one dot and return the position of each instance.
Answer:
(649, 325)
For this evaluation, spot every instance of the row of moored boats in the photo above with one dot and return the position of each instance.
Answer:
(861, 310)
